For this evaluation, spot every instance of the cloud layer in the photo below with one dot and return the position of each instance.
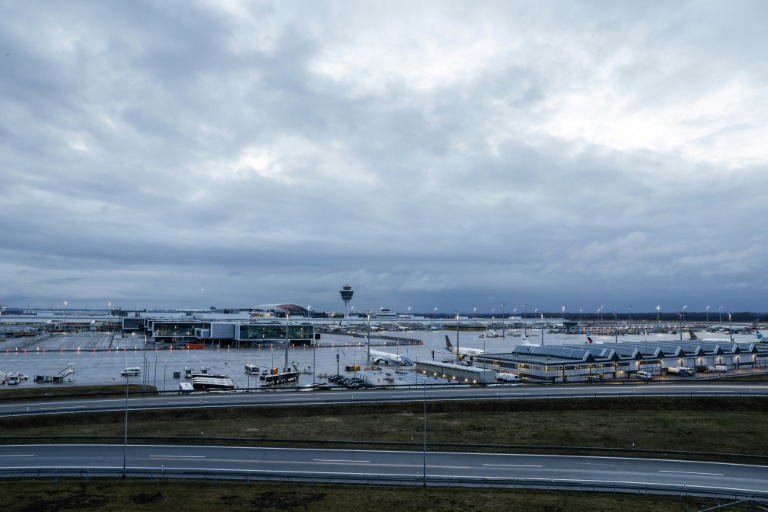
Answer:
(179, 154)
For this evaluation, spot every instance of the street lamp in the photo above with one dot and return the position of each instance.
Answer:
(458, 356)
(730, 327)
(684, 324)
(503, 322)
(542, 328)
(658, 310)
(125, 434)
(630, 319)
(721, 315)
(368, 345)
(314, 348)
(707, 309)
(425, 428)
(525, 323)
(285, 366)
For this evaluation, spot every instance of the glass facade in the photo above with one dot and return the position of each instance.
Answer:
(175, 329)
(269, 333)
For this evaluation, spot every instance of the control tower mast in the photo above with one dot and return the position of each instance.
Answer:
(346, 295)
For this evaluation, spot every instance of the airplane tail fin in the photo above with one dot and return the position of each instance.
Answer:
(692, 335)
(448, 344)
(754, 324)
(589, 338)
(759, 335)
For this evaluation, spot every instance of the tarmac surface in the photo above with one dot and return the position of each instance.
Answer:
(99, 357)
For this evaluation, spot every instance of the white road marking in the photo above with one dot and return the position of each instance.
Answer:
(514, 465)
(178, 456)
(338, 460)
(691, 473)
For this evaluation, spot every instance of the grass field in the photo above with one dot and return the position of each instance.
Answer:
(695, 424)
(174, 496)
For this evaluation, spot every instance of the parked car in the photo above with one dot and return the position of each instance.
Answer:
(134, 370)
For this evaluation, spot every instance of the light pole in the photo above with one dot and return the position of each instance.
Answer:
(542, 328)
(125, 434)
(285, 366)
(721, 315)
(525, 323)
(658, 311)
(684, 324)
(314, 348)
(369, 337)
(458, 355)
(730, 328)
(503, 322)
(615, 327)
(425, 430)
(630, 319)
(707, 309)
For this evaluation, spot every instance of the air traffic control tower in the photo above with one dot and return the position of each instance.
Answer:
(346, 295)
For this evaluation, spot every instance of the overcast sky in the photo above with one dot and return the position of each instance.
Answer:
(430, 154)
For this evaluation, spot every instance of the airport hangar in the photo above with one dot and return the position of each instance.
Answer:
(579, 363)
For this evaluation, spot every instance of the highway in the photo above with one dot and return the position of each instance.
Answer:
(453, 392)
(669, 476)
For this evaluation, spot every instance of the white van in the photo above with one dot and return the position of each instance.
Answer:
(134, 370)
(644, 375)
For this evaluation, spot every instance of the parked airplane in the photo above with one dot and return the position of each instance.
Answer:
(696, 338)
(387, 357)
(760, 336)
(462, 351)
(490, 334)
(740, 328)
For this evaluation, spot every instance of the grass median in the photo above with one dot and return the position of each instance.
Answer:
(670, 424)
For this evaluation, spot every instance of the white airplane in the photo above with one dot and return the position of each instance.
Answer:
(740, 328)
(490, 334)
(711, 340)
(377, 356)
(463, 352)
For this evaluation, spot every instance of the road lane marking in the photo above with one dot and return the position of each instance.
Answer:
(514, 465)
(339, 460)
(691, 473)
(177, 456)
